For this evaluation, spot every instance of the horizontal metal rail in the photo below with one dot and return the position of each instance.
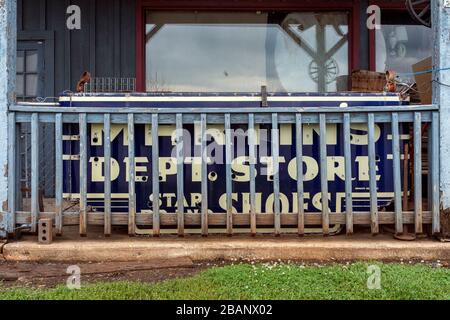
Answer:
(205, 222)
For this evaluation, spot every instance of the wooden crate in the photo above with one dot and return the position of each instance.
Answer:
(368, 81)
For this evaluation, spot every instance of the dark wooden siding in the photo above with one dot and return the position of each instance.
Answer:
(105, 45)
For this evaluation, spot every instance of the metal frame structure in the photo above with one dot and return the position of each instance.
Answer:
(229, 223)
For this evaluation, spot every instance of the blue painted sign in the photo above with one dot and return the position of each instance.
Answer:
(240, 159)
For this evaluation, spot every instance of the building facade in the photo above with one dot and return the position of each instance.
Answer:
(239, 46)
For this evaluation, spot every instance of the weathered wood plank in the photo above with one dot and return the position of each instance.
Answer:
(348, 174)
(229, 180)
(324, 174)
(83, 174)
(397, 174)
(276, 172)
(36, 107)
(252, 160)
(180, 174)
(435, 194)
(107, 163)
(418, 172)
(372, 174)
(300, 187)
(204, 178)
(219, 219)
(59, 175)
(217, 118)
(12, 171)
(131, 177)
(155, 175)
(34, 171)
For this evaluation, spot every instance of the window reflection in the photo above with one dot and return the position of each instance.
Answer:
(400, 43)
(242, 51)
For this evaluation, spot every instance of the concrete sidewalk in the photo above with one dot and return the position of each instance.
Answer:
(96, 248)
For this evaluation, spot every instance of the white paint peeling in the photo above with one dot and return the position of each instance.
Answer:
(441, 93)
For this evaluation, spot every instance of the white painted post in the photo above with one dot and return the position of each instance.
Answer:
(8, 42)
(441, 93)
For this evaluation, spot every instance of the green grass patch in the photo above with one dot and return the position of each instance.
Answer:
(268, 281)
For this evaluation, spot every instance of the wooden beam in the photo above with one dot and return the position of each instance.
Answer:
(219, 219)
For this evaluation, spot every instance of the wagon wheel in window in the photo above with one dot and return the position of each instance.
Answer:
(323, 69)
(420, 11)
(329, 71)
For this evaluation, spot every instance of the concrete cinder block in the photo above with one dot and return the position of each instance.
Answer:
(45, 231)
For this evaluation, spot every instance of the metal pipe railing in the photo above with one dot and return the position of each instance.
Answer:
(206, 222)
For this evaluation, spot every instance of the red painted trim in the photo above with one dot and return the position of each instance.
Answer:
(384, 5)
(351, 6)
(246, 4)
(372, 50)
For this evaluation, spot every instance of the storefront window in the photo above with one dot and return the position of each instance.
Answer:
(401, 43)
(242, 51)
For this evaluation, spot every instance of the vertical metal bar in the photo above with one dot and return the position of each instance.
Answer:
(132, 177)
(372, 174)
(397, 174)
(180, 175)
(418, 172)
(276, 173)
(59, 173)
(155, 175)
(324, 174)
(204, 170)
(229, 181)
(34, 171)
(107, 162)
(83, 173)
(348, 174)
(252, 161)
(300, 187)
(12, 172)
(435, 174)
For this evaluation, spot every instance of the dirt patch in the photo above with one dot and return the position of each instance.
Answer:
(48, 275)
